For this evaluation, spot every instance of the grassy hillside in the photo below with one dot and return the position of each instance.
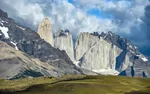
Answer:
(78, 84)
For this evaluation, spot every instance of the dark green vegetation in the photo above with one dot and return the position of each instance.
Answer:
(29, 73)
(78, 84)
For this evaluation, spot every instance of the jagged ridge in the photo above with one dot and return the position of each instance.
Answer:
(107, 52)
(28, 41)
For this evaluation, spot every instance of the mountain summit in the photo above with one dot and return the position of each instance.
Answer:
(45, 31)
(63, 41)
(29, 42)
(92, 54)
(108, 53)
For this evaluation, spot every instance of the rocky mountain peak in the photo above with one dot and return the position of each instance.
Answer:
(28, 41)
(120, 42)
(105, 53)
(63, 41)
(62, 33)
(115, 39)
(108, 53)
(16, 64)
(46, 19)
(95, 34)
(84, 42)
(45, 31)
(3, 14)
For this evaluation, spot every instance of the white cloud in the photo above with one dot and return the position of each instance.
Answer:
(125, 15)
(32, 13)
(65, 15)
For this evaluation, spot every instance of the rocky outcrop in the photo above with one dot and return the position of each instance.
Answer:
(84, 42)
(105, 53)
(63, 41)
(108, 53)
(16, 64)
(102, 55)
(135, 65)
(3, 14)
(29, 42)
(45, 31)
(130, 62)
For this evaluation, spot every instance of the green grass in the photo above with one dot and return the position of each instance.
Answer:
(1, 80)
(79, 84)
(22, 84)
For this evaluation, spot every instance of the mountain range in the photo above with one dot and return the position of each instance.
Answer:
(26, 53)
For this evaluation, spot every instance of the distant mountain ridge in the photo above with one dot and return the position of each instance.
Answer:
(28, 41)
(92, 54)
(16, 64)
(108, 53)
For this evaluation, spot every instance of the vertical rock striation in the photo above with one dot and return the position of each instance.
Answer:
(29, 42)
(45, 31)
(63, 41)
(108, 53)
(84, 42)
(102, 55)
(105, 53)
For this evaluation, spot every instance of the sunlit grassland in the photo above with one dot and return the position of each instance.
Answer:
(77, 84)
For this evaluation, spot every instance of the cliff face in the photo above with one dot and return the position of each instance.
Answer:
(63, 41)
(130, 62)
(102, 55)
(134, 65)
(108, 53)
(16, 64)
(29, 42)
(45, 31)
(84, 42)
(105, 53)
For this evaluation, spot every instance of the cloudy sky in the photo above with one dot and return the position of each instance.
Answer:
(128, 18)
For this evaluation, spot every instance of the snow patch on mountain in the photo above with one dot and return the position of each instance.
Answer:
(4, 30)
(20, 27)
(132, 52)
(15, 44)
(105, 36)
(106, 71)
(1, 23)
(135, 47)
(76, 63)
(143, 58)
(130, 46)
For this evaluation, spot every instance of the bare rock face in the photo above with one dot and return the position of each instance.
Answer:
(28, 41)
(63, 41)
(84, 42)
(16, 64)
(45, 31)
(108, 53)
(105, 53)
(102, 55)
(130, 62)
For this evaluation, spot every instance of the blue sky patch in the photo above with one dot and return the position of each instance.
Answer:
(96, 12)
(71, 1)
